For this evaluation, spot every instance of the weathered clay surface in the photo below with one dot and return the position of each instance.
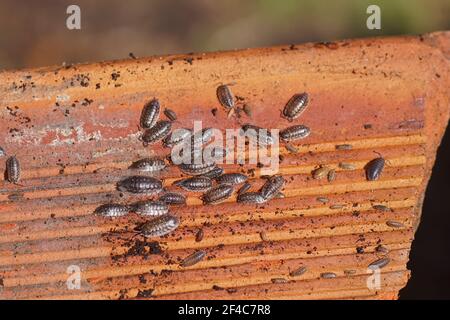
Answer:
(75, 132)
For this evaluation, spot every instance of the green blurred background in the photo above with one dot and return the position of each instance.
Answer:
(34, 33)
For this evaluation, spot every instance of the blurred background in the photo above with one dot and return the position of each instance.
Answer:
(34, 33)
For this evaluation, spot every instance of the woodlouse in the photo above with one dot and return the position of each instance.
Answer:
(328, 275)
(279, 280)
(380, 207)
(260, 135)
(197, 183)
(225, 96)
(322, 199)
(12, 169)
(214, 173)
(374, 168)
(217, 194)
(245, 187)
(292, 149)
(159, 226)
(320, 173)
(298, 272)
(394, 224)
(173, 198)
(344, 147)
(336, 206)
(170, 114)
(380, 263)
(175, 137)
(195, 169)
(295, 106)
(272, 187)
(193, 259)
(112, 210)
(347, 166)
(148, 165)
(294, 133)
(160, 130)
(199, 235)
(150, 208)
(251, 198)
(140, 184)
(150, 114)
(232, 178)
(331, 176)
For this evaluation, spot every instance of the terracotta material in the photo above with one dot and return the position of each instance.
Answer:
(75, 131)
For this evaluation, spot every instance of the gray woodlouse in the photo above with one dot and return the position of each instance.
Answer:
(170, 114)
(394, 224)
(298, 272)
(320, 173)
(347, 166)
(199, 235)
(260, 135)
(159, 226)
(331, 176)
(193, 259)
(214, 173)
(251, 198)
(160, 130)
(148, 165)
(12, 169)
(112, 210)
(328, 275)
(344, 147)
(150, 114)
(197, 183)
(279, 280)
(245, 187)
(150, 208)
(195, 169)
(374, 168)
(225, 96)
(295, 106)
(176, 136)
(201, 137)
(140, 184)
(322, 199)
(232, 178)
(294, 133)
(173, 198)
(336, 206)
(272, 187)
(217, 194)
(380, 263)
(380, 207)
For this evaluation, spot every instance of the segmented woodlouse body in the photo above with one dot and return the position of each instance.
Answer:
(112, 210)
(199, 235)
(13, 169)
(140, 184)
(272, 187)
(245, 187)
(320, 173)
(294, 133)
(232, 178)
(150, 114)
(149, 165)
(217, 194)
(347, 166)
(201, 137)
(295, 106)
(298, 272)
(344, 147)
(214, 173)
(177, 136)
(192, 259)
(279, 280)
(197, 183)
(328, 275)
(380, 263)
(251, 198)
(159, 226)
(195, 169)
(170, 114)
(322, 199)
(331, 176)
(2, 152)
(160, 130)
(260, 135)
(173, 198)
(381, 207)
(394, 224)
(150, 208)
(374, 168)
(225, 96)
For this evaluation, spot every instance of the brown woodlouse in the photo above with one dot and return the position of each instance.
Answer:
(298, 272)
(112, 210)
(150, 114)
(380, 207)
(331, 176)
(251, 198)
(294, 133)
(199, 235)
(320, 173)
(150, 208)
(170, 114)
(394, 224)
(225, 96)
(380, 263)
(197, 183)
(12, 169)
(272, 187)
(173, 198)
(140, 184)
(160, 130)
(295, 106)
(292, 149)
(217, 194)
(328, 275)
(193, 259)
(344, 147)
(279, 280)
(148, 165)
(374, 168)
(231, 178)
(159, 226)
